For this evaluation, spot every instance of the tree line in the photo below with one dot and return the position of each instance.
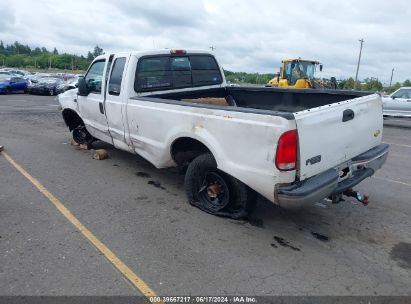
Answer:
(23, 56)
(369, 84)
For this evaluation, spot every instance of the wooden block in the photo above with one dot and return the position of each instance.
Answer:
(99, 154)
(85, 147)
(74, 143)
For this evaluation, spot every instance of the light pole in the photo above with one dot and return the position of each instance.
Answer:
(358, 64)
(392, 73)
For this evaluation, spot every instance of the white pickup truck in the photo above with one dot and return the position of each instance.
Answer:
(174, 108)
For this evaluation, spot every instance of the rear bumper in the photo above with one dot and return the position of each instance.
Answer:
(327, 183)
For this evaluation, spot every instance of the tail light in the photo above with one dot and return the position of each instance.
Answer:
(286, 156)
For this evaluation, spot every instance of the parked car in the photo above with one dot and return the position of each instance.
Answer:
(45, 86)
(10, 85)
(71, 83)
(398, 104)
(173, 108)
(5, 73)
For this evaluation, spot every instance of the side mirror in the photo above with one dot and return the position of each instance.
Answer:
(82, 87)
(321, 67)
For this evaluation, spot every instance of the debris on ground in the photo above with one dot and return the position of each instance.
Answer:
(281, 241)
(320, 236)
(99, 154)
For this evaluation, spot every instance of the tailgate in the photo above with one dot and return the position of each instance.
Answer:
(332, 134)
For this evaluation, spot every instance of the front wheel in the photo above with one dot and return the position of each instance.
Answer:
(216, 192)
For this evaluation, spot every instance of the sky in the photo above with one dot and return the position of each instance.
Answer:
(247, 36)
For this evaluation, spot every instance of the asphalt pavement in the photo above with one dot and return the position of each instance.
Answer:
(141, 214)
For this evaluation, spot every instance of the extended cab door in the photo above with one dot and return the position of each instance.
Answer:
(91, 107)
(115, 104)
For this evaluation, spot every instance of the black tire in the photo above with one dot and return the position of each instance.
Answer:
(51, 92)
(216, 192)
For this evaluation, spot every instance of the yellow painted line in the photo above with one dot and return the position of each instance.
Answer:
(391, 180)
(394, 144)
(119, 264)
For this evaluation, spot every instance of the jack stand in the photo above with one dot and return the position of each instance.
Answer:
(336, 198)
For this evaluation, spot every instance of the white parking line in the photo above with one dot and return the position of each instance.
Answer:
(104, 250)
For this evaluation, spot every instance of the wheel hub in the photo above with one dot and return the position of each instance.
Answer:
(214, 190)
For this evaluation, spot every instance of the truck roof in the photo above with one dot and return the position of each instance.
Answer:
(156, 52)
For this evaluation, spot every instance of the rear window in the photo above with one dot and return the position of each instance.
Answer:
(173, 72)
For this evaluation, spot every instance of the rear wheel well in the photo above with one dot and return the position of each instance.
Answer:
(185, 149)
(72, 119)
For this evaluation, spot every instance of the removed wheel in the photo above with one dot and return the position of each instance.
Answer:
(216, 192)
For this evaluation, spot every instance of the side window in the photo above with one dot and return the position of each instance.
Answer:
(153, 73)
(114, 85)
(94, 76)
(403, 94)
(399, 94)
(110, 61)
(205, 70)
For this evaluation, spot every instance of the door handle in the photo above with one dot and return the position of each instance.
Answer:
(101, 107)
(348, 115)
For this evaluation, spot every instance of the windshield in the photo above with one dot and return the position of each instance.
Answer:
(295, 70)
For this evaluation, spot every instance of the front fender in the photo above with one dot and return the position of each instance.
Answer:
(68, 100)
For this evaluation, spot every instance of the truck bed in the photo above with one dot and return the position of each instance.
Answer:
(264, 98)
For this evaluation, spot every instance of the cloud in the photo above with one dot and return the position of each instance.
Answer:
(7, 18)
(248, 36)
